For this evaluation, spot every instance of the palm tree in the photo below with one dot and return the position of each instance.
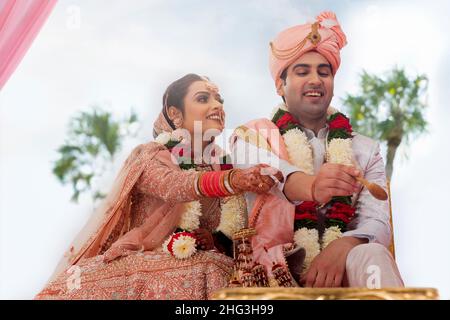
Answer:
(93, 139)
(389, 109)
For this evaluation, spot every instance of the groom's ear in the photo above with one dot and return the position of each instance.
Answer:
(280, 88)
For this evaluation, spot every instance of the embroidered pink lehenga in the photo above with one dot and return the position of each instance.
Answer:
(141, 210)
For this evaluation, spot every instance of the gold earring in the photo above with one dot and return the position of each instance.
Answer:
(177, 122)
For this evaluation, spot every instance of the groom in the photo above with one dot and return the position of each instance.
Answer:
(344, 230)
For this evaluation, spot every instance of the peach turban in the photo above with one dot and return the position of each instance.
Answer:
(324, 36)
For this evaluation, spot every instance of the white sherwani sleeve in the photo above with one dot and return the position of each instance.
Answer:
(245, 155)
(372, 220)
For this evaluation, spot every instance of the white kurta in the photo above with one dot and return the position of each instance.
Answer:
(372, 221)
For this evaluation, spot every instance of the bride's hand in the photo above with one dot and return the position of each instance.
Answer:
(115, 252)
(205, 239)
(256, 179)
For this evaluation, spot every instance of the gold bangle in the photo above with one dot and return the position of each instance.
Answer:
(200, 191)
(226, 189)
(222, 184)
(226, 181)
(197, 191)
(230, 179)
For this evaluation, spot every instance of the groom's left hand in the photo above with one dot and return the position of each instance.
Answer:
(328, 267)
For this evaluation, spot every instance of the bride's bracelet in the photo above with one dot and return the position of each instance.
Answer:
(214, 184)
(227, 181)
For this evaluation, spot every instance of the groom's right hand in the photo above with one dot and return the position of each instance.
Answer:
(334, 180)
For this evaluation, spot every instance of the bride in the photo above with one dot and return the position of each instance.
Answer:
(128, 249)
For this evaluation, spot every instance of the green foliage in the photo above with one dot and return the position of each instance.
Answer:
(305, 223)
(389, 109)
(93, 139)
(346, 200)
(336, 222)
(339, 134)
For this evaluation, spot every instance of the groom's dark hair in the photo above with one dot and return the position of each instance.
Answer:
(283, 77)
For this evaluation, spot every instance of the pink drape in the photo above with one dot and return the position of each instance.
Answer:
(20, 22)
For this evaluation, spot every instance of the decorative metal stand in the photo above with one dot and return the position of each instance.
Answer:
(246, 272)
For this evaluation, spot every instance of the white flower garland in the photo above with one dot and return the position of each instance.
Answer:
(300, 153)
(299, 150)
(308, 239)
(231, 218)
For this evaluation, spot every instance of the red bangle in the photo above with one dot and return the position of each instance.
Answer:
(205, 185)
(216, 184)
(202, 186)
(210, 184)
(211, 181)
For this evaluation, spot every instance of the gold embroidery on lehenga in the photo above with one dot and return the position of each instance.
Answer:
(150, 274)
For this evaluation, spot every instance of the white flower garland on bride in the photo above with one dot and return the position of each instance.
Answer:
(232, 218)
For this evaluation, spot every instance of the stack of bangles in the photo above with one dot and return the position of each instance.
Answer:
(215, 184)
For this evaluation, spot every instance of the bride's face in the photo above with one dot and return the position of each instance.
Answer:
(204, 104)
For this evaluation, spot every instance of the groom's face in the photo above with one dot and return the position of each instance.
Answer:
(308, 88)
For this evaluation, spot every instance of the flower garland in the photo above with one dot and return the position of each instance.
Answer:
(339, 150)
(183, 244)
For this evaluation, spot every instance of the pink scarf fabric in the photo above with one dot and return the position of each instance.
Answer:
(117, 206)
(275, 223)
(20, 22)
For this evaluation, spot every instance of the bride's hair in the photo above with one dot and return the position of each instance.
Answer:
(176, 92)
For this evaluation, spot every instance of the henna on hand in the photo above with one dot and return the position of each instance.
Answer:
(255, 179)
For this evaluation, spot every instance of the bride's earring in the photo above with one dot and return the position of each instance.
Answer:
(178, 122)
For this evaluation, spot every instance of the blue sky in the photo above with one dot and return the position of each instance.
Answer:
(123, 54)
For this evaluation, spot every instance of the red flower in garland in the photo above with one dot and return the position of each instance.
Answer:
(306, 206)
(341, 211)
(341, 122)
(285, 120)
(177, 151)
(306, 210)
(176, 236)
(339, 216)
(306, 215)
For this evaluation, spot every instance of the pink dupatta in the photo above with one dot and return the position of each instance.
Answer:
(20, 22)
(274, 216)
(110, 223)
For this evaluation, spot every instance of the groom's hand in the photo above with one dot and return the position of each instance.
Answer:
(334, 180)
(328, 267)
